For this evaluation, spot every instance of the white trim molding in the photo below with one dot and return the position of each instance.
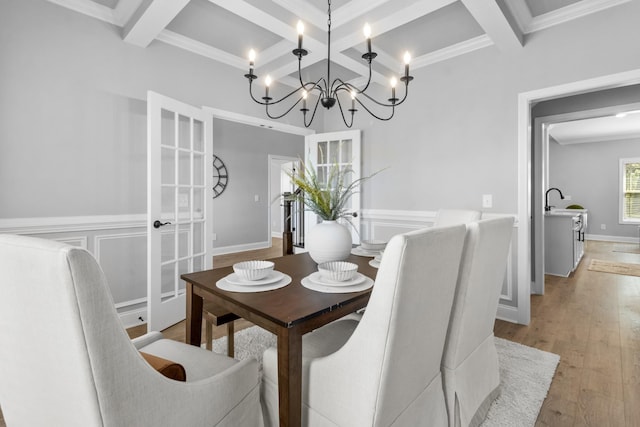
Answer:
(383, 223)
(71, 223)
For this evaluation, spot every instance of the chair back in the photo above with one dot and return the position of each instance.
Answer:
(65, 357)
(396, 350)
(456, 216)
(478, 290)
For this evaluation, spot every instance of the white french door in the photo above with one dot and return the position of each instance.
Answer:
(178, 205)
(325, 150)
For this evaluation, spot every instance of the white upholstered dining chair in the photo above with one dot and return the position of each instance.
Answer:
(470, 363)
(446, 217)
(66, 360)
(385, 369)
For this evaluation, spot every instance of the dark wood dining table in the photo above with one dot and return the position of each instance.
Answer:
(288, 312)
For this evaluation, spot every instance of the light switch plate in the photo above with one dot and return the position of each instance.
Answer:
(487, 201)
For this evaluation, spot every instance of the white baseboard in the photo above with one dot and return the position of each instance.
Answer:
(131, 318)
(241, 248)
(616, 239)
(508, 314)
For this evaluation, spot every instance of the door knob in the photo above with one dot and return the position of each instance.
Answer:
(158, 224)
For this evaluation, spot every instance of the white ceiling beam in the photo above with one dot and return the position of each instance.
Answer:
(150, 19)
(304, 11)
(124, 10)
(89, 8)
(202, 49)
(495, 24)
(570, 12)
(352, 10)
(391, 22)
(451, 51)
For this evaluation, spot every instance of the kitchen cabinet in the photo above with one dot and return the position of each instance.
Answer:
(563, 241)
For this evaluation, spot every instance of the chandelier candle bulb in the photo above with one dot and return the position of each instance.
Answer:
(252, 58)
(267, 83)
(304, 101)
(407, 59)
(393, 82)
(367, 35)
(300, 32)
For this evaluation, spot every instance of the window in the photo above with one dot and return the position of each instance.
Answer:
(630, 190)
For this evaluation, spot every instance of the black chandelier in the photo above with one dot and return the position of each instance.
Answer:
(328, 95)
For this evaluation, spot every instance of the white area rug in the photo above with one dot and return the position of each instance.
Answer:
(525, 374)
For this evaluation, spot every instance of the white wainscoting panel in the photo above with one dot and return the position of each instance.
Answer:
(378, 224)
(118, 242)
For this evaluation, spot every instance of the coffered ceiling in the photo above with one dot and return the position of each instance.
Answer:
(430, 30)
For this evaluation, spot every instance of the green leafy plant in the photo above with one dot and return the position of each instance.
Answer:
(326, 198)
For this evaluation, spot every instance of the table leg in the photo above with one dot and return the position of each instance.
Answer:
(194, 317)
(290, 377)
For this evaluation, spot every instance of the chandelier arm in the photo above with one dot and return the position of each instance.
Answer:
(393, 111)
(329, 90)
(342, 114)
(283, 114)
(313, 115)
(253, 97)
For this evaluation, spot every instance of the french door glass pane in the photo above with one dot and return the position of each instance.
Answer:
(167, 241)
(184, 132)
(198, 169)
(184, 233)
(198, 203)
(198, 263)
(198, 243)
(184, 204)
(184, 168)
(183, 268)
(345, 151)
(334, 151)
(198, 136)
(322, 152)
(168, 166)
(168, 278)
(168, 203)
(168, 135)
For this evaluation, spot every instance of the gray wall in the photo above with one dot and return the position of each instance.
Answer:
(73, 110)
(589, 173)
(455, 138)
(238, 218)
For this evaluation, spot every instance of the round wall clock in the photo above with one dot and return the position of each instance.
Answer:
(220, 176)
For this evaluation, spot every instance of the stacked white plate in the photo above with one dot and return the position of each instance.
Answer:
(375, 262)
(369, 248)
(315, 281)
(234, 283)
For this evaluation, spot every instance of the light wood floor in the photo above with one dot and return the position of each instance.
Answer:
(591, 319)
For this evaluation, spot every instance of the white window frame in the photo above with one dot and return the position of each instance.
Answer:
(622, 186)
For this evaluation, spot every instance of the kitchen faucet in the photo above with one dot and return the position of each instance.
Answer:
(546, 198)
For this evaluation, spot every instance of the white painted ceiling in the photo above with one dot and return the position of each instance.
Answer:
(598, 129)
(431, 30)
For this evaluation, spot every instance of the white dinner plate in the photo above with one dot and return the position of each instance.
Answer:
(317, 278)
(226, 286)
(375, 264)
(363, 252)
(307, 283)
(272, 277)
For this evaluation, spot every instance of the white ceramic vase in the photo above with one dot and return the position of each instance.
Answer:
(328, 241)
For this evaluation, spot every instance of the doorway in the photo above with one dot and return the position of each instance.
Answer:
(529, 171)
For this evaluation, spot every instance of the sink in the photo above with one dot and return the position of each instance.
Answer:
(566, 212)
